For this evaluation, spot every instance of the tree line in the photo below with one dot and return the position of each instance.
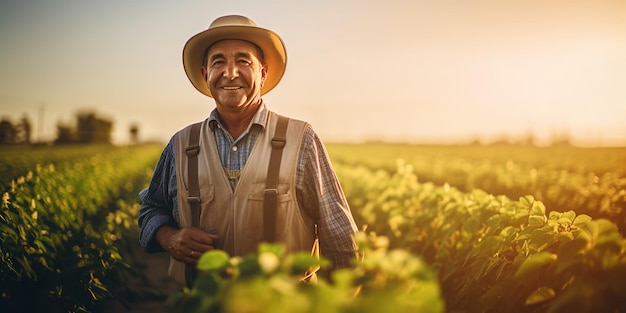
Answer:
(89, 128)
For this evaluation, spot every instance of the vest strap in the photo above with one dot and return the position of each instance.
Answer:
(270, 195)
(192, 151)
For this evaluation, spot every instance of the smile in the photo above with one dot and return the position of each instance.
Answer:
(230, 88)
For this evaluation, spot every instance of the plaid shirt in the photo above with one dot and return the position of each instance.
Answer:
(317, 189)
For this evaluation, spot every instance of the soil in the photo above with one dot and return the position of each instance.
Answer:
(151, 285)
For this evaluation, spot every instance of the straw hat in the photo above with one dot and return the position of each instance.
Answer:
(235, 27)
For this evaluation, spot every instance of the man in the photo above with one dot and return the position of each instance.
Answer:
(235, 62)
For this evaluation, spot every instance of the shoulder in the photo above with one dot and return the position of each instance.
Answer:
(294, 123)
(274, 116)
(168, 151)
(181, 137)
(186, 130)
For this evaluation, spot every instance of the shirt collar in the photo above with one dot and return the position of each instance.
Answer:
(259, 118)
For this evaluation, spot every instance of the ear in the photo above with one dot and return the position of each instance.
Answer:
(263, 74)
(204, 72)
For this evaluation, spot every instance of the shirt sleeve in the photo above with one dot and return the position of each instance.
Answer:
(157, 201)
(319, 190)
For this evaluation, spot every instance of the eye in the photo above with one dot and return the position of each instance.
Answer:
(217, 63)
(245, 62)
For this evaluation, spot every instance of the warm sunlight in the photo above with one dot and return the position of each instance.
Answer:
(418, 71)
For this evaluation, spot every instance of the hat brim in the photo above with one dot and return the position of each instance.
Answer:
(274, 53)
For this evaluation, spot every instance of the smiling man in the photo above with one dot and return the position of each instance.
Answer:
(245, 174)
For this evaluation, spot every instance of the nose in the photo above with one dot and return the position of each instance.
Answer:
(231, 71)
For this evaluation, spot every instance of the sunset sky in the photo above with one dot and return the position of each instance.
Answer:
(415, 71)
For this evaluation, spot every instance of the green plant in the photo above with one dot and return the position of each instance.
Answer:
(60, 230)
(385, 280)
(482, 246)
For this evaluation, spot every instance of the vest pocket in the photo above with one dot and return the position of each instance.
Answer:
(252, 215)
(209, 222)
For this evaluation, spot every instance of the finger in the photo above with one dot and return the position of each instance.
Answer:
(202, 237)
(198, 250)
(190, 243)
(198, 235)
(190, 257)
(202, 242)
(188, 237)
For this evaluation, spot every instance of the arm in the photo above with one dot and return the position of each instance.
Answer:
(158, 201)
(318, 189)
(159, 230)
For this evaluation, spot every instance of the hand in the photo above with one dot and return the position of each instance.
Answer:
(185, 244)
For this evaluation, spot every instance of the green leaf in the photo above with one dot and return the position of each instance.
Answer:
(213, 260)
(569, 215)
(602, 232)
(573, 248)
(527, 200)
(249, 266)
(540, 295)
(541, 238)
(536, 221)
(207, 284)
(535, 263)
(538, 208)
(301, 261)
(276, 249)
(571, 256)
(581, 220)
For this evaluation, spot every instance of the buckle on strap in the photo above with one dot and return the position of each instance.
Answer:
(278, 143)
(271, 191)
(193, 200)
(192, 151)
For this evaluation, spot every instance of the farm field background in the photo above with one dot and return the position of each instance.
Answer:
(470, 213)
(587, 180)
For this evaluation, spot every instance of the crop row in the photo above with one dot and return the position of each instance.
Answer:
(589, 181)
(19, 160)
(61, 227)
(491, 253)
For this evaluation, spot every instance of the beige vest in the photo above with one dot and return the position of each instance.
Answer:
(236, 216)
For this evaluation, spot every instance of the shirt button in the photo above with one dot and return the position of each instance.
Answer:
(235, 148)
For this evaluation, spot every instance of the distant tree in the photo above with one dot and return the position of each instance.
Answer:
(90, 128)
(15, 133)
(24, 130)
(93, 129)
(65, 134)
(7, 132)
(561, 139)
(134, 133)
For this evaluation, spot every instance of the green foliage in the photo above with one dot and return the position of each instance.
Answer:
(389, 281)
(590, 181)
(63, 224)
(493, 254)
(17, 161)
(60, 229)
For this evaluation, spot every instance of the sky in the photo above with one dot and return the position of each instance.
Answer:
(451, 71)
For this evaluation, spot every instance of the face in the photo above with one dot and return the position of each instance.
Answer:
(234, 74)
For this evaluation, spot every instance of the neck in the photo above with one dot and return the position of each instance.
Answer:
(237, 121)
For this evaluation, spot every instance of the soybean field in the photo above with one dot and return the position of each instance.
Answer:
(443, 229)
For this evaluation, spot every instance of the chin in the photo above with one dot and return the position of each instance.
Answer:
(232, 103)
